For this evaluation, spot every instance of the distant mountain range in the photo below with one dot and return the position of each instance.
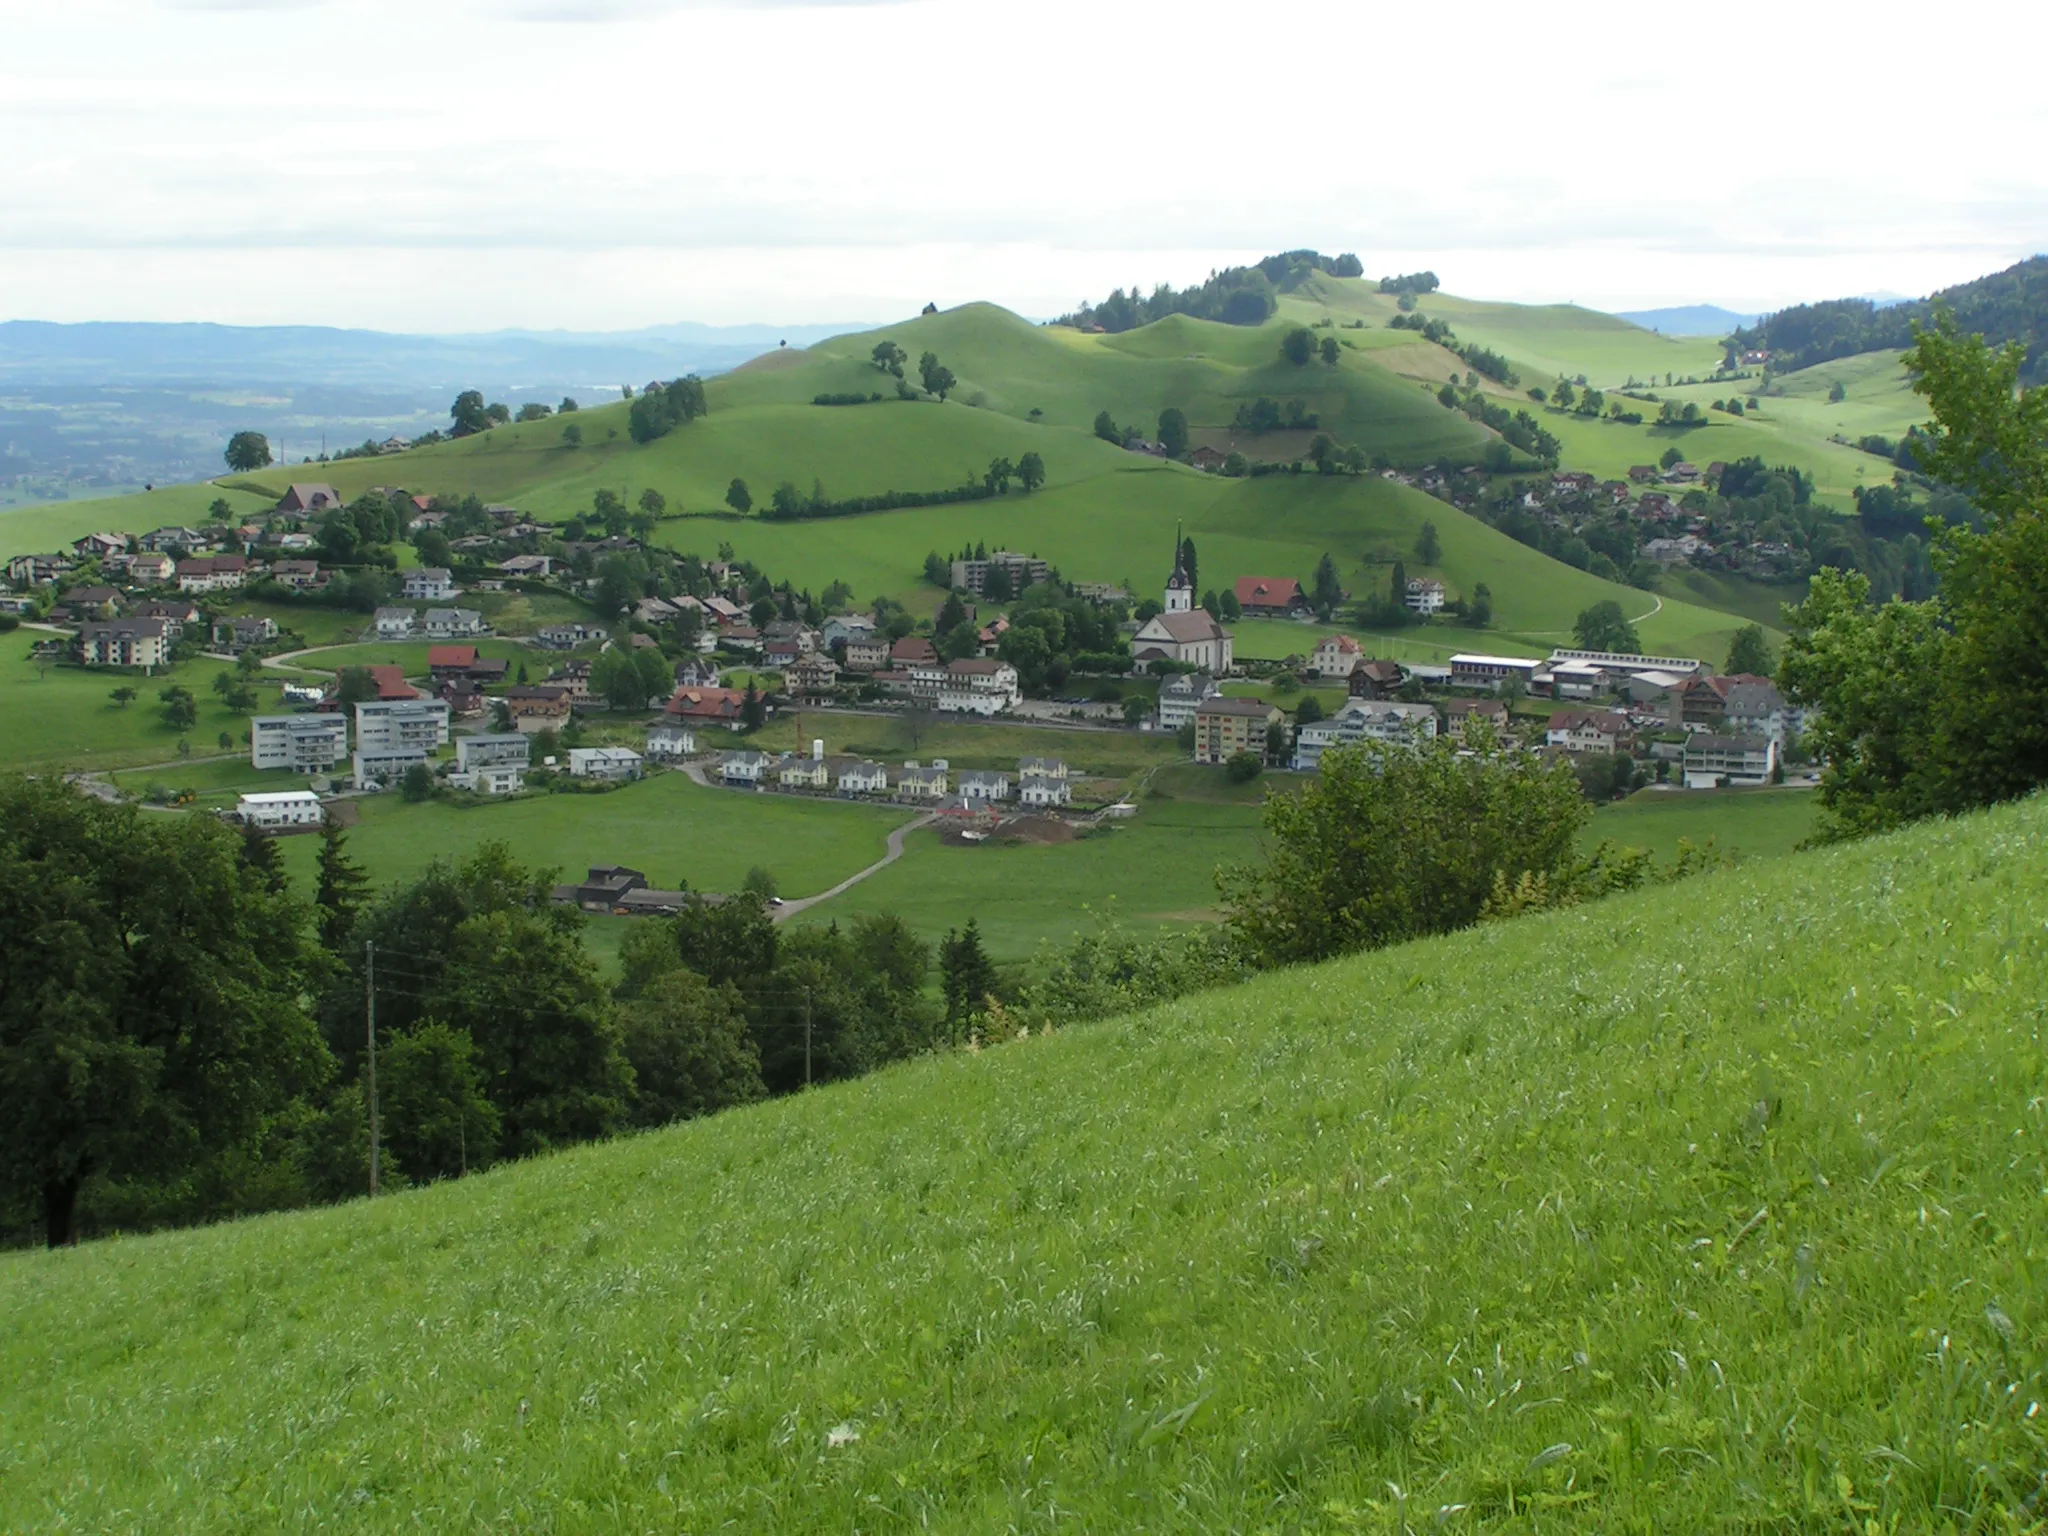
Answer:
(1688, 320)
(112, 353)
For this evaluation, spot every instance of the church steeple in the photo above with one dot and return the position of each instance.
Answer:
(1180, 590)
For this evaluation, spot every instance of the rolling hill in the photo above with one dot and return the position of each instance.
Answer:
(1659, 1214)
(1105, 514)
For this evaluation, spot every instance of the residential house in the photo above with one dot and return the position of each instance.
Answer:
(150, 569)
(393, 734)
(238, 634)
(1226, 727)
(1682, 473)
(990, 636)
(740, 637)
(976, 686)
(302, 743)
(537, 709)
(39, 570)
(779, 655)
(624, 892)
(573, 677)
(668, 741)
(393, 623)
(743, 767)
(491, 778)
(1336, 656)
(83, 603)
(280, 810)
(1271, 597)
(708, 706)
(1181, 694)
(493, 751)
(445, 623)
(1713, 760)
(531, 567)
(868, 653)
(1189, 638)
(1375, 679)
(123, 643)
(1471, 670)
(390, 680)
(1598, 731)
(696, 672)
(793, 772)
(464, 699)
(844, 629)
(1207, 459)
(1362, 720)
(1754, 707)
(212, 573)
(428, 584)
(1425, 595)
(913, 651)
(1642, 474)
(1045, 767)
(566, 637)
(915, 783)
(310, 498)
(1703, 702)
(170, 541)
(724, 611)
(984, 786)
(299, 575)
(1044, 790)
(613, 764)
(859, 776)
(1461, 714)
(176, 614)
(804, 637)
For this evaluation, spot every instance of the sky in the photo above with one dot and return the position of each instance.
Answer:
(450, 165)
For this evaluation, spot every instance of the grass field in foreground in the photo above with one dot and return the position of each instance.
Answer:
(64, 717)
(1721, 1212)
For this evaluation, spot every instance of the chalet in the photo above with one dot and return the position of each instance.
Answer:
(574, 678)
(724, 611)
(310, 499)
(445, 662)
(740, 637)
(1271, 597)
(1375, 679)
(708, 706)
(1682, 473)
(1589, 730)
(39, 570)
(465, 700)
(1226, 727)
(912, 651)
(390, 681)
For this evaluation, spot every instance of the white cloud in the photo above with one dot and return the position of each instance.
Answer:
(372, 162)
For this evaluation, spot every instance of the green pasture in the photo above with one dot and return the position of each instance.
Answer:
(665, 825)
(1698, 1209)
(62, 717)
(1748, 823)
(53, 525)
(412, 655)
(893, 739)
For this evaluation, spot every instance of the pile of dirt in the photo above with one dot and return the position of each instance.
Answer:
(1038, 829)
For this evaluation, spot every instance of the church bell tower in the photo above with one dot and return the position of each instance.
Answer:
(1180, 590)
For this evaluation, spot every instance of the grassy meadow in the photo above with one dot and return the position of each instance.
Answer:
(63, 717)
(1664, 1214)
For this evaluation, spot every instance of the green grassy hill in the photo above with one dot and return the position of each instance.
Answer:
(1722, 1211)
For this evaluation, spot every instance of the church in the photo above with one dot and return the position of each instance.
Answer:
(1183, 633)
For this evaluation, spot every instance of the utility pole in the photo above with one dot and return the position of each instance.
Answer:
(807, 1037)
(370, 1032)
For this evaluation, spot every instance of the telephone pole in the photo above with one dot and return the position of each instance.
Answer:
(370, 1033)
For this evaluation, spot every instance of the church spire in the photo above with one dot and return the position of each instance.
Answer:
(1180, 588)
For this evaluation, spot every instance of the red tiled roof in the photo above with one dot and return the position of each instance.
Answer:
(439, 656)
(707, 703)
(1268, 591)
(391, 683)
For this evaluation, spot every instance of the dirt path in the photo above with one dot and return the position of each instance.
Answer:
(790, 909)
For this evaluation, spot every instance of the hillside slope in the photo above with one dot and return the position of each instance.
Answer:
(1722, 1211)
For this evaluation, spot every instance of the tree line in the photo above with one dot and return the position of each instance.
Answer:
(1235, 295)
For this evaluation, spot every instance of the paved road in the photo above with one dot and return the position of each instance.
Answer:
(790, 909)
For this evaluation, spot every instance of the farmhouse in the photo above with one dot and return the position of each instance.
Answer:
(709, 706)
(390, 680)
(913, 651)
(279, 809)
(123, 643)
(1271, 597)
(1226, 727)
(302, 743)
(1375, 679)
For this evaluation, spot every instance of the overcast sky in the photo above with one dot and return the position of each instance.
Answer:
(451, 165)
